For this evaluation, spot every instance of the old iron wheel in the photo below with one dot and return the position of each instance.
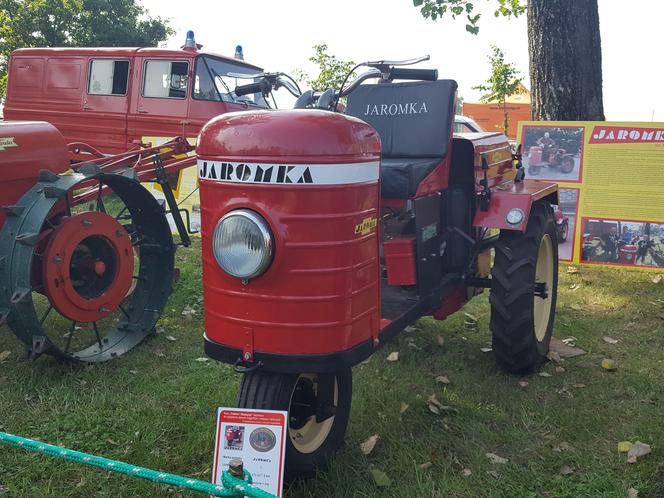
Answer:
(124, 261)
(563, 231)
(521, 318)
(310, 444)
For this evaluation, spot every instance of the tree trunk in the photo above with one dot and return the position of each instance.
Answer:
(565, 60)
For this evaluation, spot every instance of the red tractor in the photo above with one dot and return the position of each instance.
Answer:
(324, 235)
(551, 156)
(86, 252)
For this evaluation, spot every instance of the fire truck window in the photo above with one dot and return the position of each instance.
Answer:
(213, 82)
(165, 79)
(108, 77)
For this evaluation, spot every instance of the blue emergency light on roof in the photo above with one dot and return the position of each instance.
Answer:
(238, 52)
(190, 42)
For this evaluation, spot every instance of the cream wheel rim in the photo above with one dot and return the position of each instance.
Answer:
(310, 436)
(543, 274)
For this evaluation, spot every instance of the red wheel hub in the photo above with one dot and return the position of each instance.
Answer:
(88, 266)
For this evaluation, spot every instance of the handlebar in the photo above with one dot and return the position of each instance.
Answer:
(261, 86)
(413, 74)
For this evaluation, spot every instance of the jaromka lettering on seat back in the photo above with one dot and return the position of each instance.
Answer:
(396, 109)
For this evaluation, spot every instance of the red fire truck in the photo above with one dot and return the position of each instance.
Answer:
(111, 98)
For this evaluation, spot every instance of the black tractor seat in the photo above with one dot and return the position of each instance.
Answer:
(414, 121)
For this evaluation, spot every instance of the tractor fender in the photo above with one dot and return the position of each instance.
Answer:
(511, 195)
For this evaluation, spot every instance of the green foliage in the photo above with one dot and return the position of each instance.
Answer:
(71, 23)
(503, 82)
(332, 71)
(436, 9)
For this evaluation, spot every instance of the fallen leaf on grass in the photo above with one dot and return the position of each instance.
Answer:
(637, 450)
(657, 279)
(369, 445)
(470, 317)
(4, 355)
(608, 364)
(496, 458)
(202, 359)
(466, 472)
(553, 356)
(572, 269)
(575, 286)
(563, 446)
(624, 446)
(578, 386)
(576, 307)
(3, 489)
(493, 474)
(566, 470)
(560, 370)
(425, 466)
(523, 383)
(392, 357)
(380, 478)
(403, 407)
(440, 341)
(133, 372)
(544, 374)
(486, 350)
(443, 379)
(171, 338)
(610, 340)
(436, 406)
(632, 493)
(565, 348)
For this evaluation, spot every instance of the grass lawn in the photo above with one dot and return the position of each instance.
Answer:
(155, 406)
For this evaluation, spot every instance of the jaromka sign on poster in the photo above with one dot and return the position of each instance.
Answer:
(257, 437)
(611, 178)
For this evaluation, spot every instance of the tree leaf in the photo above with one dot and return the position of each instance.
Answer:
(566, 470)
(392, 357)
(608, 364)
(443, 379)
(403, 407)
(610, 340)
(4, 355)
(624, 446)
(425, 466)
(440, 341)
(466, 472)
(632, 493)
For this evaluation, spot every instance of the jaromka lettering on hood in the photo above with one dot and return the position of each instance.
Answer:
(616, 134)
(288, 174)
(396, 109)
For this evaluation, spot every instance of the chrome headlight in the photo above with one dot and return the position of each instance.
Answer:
(242, 244)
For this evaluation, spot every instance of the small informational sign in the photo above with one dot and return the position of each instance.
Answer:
(258, 438)
(611, 178)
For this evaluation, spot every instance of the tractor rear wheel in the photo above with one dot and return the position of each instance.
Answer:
(318, 408)
(523, 292)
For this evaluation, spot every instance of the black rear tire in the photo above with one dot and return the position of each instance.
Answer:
(310, 445)
(522, 322)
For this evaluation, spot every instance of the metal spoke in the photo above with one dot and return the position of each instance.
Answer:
(124, 312)
(43, 318)
(94, 326)
(100, 202)
(71, 334)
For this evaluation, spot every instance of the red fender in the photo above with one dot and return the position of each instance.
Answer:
(507, 196)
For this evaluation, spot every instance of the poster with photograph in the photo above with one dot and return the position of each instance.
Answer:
(257, 437)
(611, 184)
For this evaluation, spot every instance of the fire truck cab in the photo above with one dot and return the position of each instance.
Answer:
(111, 98)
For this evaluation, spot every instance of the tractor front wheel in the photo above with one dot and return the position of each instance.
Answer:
(563, 231)
(318, 408)
(523, 292)
(567, 165)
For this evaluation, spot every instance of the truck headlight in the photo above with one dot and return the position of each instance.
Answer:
(242, 244)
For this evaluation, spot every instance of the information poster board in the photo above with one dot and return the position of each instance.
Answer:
(258, 438)
(611, 179)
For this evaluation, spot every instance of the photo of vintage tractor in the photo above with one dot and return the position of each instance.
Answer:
(562, 224)
(326, 234)
(549, 156)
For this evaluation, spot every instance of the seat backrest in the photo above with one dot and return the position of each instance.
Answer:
(412, 119)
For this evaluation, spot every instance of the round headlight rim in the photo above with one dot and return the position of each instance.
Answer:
(266, 233)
